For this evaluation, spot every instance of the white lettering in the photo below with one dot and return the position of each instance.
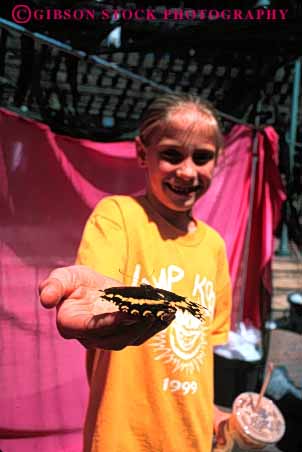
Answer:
(136, 275)
(205, 289)
(199, 288)
(168, 276)
(186, 387)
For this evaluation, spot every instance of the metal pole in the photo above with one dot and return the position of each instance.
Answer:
(283, 249)
(294, 115)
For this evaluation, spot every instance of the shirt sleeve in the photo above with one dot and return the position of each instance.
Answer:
(103, 246)
(222, 315)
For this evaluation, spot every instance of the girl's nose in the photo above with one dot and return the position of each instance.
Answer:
(186, 170)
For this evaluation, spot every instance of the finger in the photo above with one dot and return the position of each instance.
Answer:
(143, 337)
(154, 328)
(65, 280)
(149, 332)
(80, 275)
(76, 318)
(60, 283)
(114, 323)
(51, 292)
(109, 343)
(112, 342)
(119, 337)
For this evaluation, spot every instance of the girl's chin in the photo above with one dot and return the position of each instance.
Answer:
(174, 202)
(180, 205)
(181, 201)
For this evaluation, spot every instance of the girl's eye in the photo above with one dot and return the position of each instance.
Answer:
(174, 156)
(201, 158)
(171, 156)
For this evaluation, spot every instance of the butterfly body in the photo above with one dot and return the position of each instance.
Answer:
(148, 301)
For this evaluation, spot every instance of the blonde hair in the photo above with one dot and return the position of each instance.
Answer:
(156, 116)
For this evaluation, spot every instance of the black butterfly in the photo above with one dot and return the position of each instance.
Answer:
(148, 301)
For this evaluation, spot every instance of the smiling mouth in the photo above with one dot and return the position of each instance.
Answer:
(183, 190)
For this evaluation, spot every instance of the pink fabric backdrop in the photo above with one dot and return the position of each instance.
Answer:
(48, 186)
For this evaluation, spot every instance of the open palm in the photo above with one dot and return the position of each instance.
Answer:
(82, 315)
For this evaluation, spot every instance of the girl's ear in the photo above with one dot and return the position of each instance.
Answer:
(140, 152)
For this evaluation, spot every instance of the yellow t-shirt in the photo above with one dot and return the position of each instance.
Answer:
(156, 397)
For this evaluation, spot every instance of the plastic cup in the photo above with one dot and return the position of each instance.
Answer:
(255, 428)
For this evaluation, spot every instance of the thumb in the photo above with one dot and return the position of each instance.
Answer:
(60, 283)
(51, 292)
(63, 281)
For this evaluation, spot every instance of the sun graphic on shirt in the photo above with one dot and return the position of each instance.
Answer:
(183, 344)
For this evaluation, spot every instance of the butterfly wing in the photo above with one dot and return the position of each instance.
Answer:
(147, 301)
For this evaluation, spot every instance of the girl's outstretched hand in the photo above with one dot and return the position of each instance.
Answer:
(74, 291)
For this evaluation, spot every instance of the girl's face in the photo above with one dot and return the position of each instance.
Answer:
(181, 162)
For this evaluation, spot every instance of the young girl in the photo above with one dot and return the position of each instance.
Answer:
(157, 396)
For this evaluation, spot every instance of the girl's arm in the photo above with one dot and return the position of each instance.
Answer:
(74, 291)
